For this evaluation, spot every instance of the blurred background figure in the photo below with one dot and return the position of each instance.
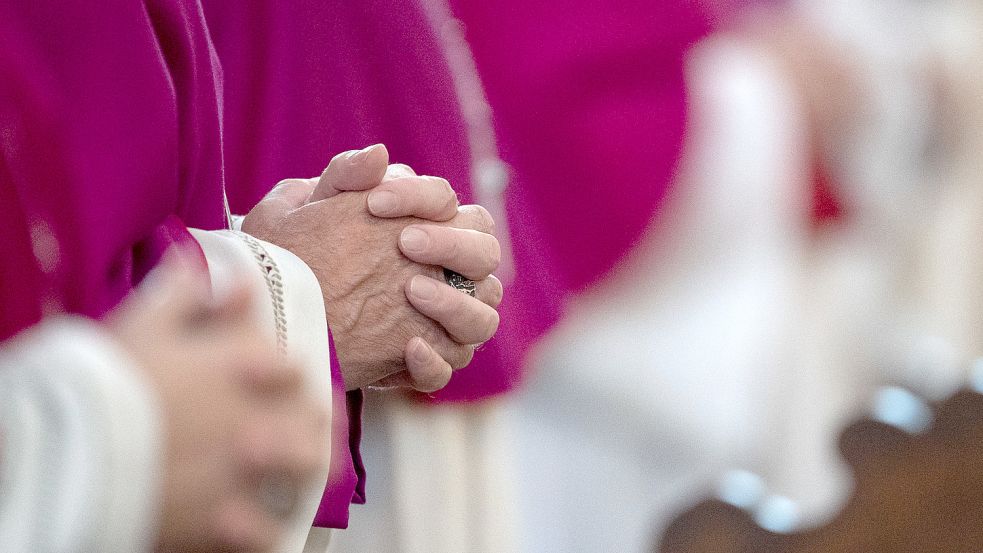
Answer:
(817, 241)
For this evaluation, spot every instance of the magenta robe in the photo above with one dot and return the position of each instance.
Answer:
(110, 147)
(590, 100)
(111, 143)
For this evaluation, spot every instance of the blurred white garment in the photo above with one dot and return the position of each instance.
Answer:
(739, 337)
(290, 309)
(81, 443)
(442, 479)
(81, 438)
(893, 295)
(668, 374)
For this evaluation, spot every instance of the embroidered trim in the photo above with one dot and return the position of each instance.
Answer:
(274, 283)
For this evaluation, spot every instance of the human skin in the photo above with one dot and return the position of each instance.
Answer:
(393, 320)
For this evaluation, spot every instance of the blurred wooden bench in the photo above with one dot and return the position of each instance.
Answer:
(915, 492)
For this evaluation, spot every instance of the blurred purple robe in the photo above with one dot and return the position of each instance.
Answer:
(111, 143)
(590, 99)
(110, 147)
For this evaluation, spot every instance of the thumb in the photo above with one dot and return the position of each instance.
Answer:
(426, 371)
(290, 194)
(285, 197)
(353, 170)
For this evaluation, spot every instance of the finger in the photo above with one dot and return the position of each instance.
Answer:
(456, 354)
(489, 291)
(292, 193)
(474, 217)
(399, 171)
(285, 197)
(430, 198)
(466, 320)
(352, 170)
(472, 253)
(427, 371)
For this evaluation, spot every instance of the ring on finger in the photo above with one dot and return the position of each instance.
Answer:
(460, 282)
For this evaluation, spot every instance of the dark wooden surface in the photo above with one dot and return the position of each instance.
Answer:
(914, 494)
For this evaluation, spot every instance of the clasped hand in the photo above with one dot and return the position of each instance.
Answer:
(378, 236)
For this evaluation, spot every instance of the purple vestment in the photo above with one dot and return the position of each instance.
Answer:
(110, 147)
(590, 101)
(111, 143)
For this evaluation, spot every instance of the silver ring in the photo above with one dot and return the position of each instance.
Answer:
(460, 282)
(278, 496)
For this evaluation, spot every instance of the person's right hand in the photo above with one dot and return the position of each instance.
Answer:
(238, 420)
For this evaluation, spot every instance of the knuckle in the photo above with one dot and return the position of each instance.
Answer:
(286, 183)
(438, 382)
(286, 187)
(494, 254)
(481, 219)
(340, 157)
(461, 357)
(446, 187)
(449, 207)
(434, 377)
(397, 170)
(446, 198)
(497, 293)
(489, 323)
(447, 246)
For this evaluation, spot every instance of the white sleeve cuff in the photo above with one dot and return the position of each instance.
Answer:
(292, 312)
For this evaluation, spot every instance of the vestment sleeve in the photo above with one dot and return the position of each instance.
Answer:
(292, 313)
(346, 481)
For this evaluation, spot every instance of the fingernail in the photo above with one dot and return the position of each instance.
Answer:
(414, 240)
(364, 152)
(382, 202)
(421, 352)
(423, 288)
